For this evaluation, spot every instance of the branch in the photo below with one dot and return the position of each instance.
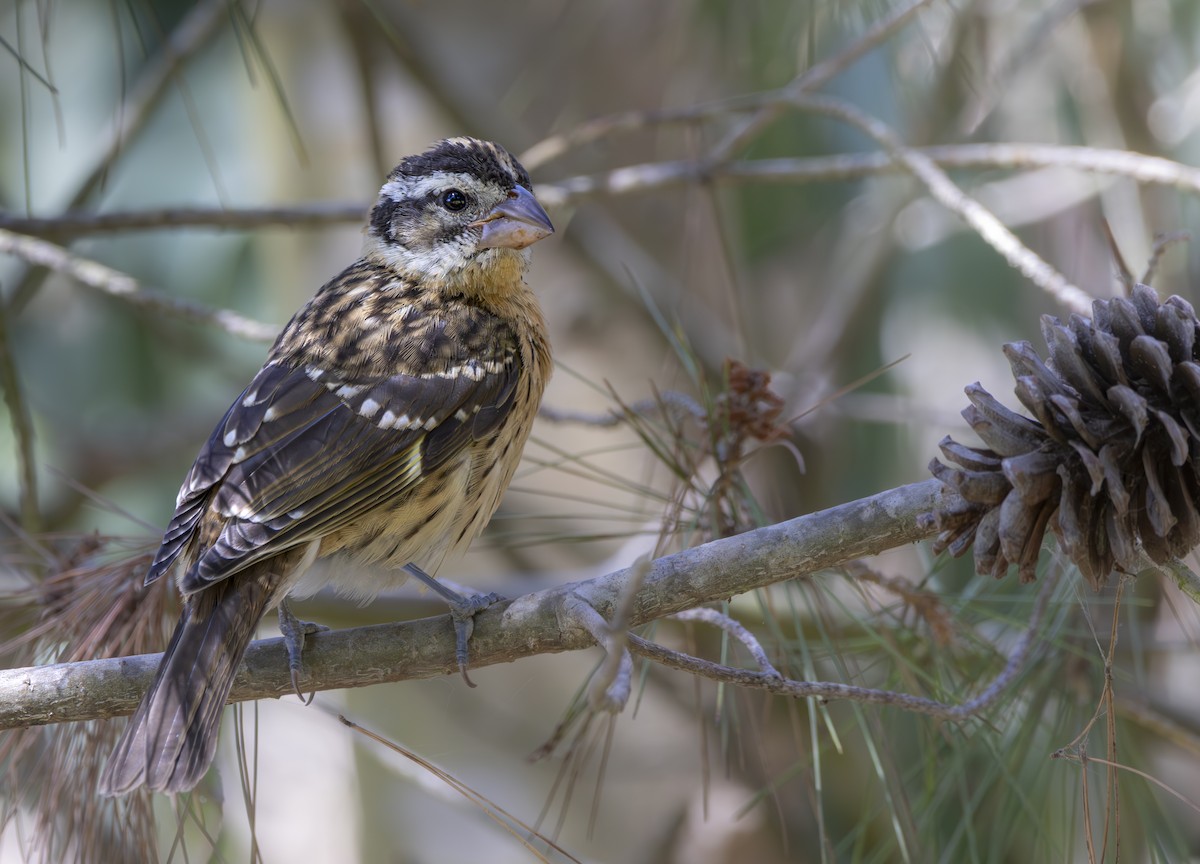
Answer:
(770, 680)
(203, 22)
(642, 179)
(524, 627)
(123, 286)
(814, 78)
(197, 28)
(945, 192)
(77, 222)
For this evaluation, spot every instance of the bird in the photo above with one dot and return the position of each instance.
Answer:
(383, 428)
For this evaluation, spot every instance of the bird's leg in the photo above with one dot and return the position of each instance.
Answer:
(462, 611)
(294, 632)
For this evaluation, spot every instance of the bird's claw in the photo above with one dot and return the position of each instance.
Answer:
(294, 633)
(463, 613)
(463, 610)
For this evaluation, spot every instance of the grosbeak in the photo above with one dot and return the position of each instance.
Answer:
(384, 426)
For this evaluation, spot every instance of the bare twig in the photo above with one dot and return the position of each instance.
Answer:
(610, 685)
(814, 78)
(592, 130)
(1037, 34)
(201, 23)
(734, 629)
(943, 189)
(500, 816)
(1082, 758)
(121, 285)
(76, 223)
(606, 419)
(1161, 245)
(643, 179)
(927, 604)
(524, 627)
(672, 402)
(772, 682)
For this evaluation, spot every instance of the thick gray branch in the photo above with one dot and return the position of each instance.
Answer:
(523, 627)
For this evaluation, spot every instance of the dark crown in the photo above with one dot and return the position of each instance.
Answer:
(483, 159)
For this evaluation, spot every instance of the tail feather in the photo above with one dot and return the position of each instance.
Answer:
(171, 738)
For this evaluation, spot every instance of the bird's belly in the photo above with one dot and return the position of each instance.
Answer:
(435, 521)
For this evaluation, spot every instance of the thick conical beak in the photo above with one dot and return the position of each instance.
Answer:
(518, 222)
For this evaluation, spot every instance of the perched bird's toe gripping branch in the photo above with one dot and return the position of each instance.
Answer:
(462, 612)
(295, 632)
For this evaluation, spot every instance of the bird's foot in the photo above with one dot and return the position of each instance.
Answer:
(463, 615)
(295, 632)
(463, 610)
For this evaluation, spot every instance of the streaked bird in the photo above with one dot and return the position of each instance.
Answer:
(384, 427)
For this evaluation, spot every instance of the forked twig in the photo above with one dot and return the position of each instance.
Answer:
(773, 682)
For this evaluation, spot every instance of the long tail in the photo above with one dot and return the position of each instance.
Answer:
(172, 737)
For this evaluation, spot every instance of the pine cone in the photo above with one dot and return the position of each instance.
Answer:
(1109, 460)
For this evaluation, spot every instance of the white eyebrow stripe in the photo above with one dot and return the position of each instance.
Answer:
(408, 188)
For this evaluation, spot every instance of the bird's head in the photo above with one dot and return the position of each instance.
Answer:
(460, 214)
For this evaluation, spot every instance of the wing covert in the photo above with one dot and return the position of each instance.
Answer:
(302, 453)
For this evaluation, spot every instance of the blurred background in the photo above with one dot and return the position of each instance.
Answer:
(700, 220)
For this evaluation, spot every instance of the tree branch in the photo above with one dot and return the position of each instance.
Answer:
(642, 179)
(772, 681)
(524, 627)
(202, 23)
(939, 185)
(123, 286)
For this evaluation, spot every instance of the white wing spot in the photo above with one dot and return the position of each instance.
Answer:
(239, 454)
(388, 419)
(251, 399)
(270, 414)
(348, 391)
(369, 408)
(472, 370)
(230, 438)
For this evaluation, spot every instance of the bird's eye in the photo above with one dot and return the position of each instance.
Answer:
(454, 200)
